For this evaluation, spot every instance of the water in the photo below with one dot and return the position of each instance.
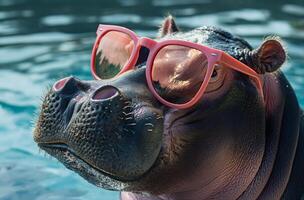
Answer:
(42, 41)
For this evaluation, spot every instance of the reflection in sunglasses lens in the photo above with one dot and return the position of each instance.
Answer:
(113, 52)
(178, 73)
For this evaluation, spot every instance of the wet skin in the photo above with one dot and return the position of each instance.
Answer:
(231, 145)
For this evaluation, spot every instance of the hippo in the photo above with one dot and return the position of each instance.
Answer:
(235, 143)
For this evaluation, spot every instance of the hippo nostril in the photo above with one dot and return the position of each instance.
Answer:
(70, 86)
(60, 84)
(105, 93)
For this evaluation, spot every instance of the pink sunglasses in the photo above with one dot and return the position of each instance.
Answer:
(177, 71)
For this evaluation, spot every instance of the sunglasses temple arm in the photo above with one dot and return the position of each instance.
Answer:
(232, 63)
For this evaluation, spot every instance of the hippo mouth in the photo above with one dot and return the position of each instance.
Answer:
(65, 154)
(92, 174)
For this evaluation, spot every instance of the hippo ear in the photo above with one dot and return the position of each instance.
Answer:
(269, 56)
(168, 26)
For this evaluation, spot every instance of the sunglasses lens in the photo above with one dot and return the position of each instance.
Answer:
(113, 52)
(178, 73)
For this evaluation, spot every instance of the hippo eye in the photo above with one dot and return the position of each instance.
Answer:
(217, 78)
(214, 74)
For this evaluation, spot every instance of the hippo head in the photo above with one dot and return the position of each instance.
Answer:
(116, 135)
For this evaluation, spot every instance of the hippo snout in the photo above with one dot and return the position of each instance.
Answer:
(98, 124)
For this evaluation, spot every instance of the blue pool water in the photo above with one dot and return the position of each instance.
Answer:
(42, 41)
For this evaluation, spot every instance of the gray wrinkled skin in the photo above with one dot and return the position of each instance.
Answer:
(117, 121)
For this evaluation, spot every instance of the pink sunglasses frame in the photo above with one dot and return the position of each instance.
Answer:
(214, 57)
